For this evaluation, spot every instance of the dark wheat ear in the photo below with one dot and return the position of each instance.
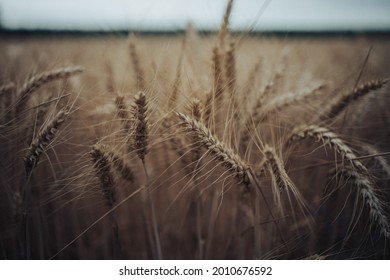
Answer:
(218, 149)
(42, 140)
(141, 126)
(37, 81)
(101, 162)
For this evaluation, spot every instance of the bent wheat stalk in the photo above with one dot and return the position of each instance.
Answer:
(340, 102)
(330, 138)
(367, 191)
(39, 80)
(218, 149)
(42, 140)
(356, 171)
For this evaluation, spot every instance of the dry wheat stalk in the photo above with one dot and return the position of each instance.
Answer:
(223, 30)
(39, 80)
(340, 102)
(101, 163)
(250, 83)
(281, 179)
(218, 76)
(230, 71)
(251, 122)
(367, 191)
(256, 115)
(262, 109)
(276, 168)
(328, 137)
(172, 101)
(137, 67)
(218, 149)
(195, 110)
(231, 77)
(38, 121)
(141, 127)
(140, 144)
(280, 102)
(42, 140)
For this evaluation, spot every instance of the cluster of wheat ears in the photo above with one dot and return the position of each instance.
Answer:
(189, 174)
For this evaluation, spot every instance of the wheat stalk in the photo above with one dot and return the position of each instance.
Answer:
(279, 103)
(101, 162)
(223, 30)
(218, 149)
(39, 80)
(120, 164)
(218, 76)
(328, 137)
(42, 140)
(340, 102)
(140, 82)
(367, 191)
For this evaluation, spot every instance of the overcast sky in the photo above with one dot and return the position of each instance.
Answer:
(176, 14)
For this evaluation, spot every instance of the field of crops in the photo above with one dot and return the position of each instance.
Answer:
(194, 147)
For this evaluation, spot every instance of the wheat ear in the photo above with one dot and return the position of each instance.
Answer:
(137, 67)
(225, 23)
(102, 157)
(340, 102)
(218, 149)
(279, 103)
(281, 179)
(120, 164)
(328, 137)
(39, 80)
(140, 144)
(218, 76)
(101, 162)
(141, 127)
(42, 140)
(367, 191)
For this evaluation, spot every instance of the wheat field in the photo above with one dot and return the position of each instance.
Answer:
(221, 146)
